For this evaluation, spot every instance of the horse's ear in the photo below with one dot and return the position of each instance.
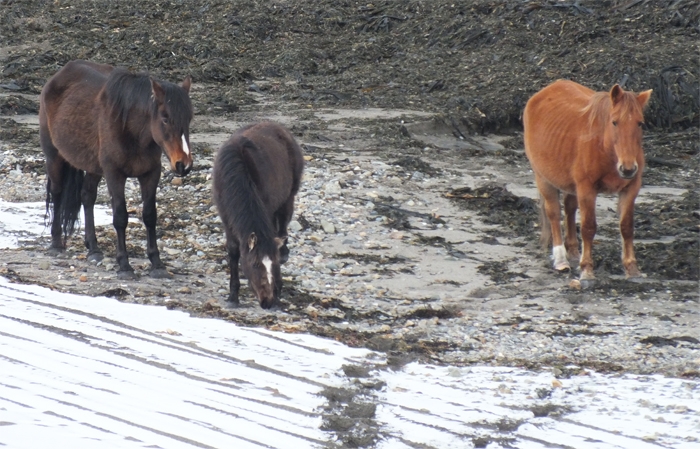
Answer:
(252, 240)
(643, 97)
(187, 83)
(280, 241)
(157, 91)
(616, 93)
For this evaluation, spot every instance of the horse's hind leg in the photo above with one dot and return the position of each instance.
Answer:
(54, 189)
(88, 196)
(571, 239)
(234, 254)
(149, 185)
(586, 197)
(120, 219)
(283, 216)
(552, 208)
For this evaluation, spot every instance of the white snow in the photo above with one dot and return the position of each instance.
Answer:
(91, 372)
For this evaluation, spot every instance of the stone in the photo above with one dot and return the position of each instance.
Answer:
(327, 227)
(332, 188)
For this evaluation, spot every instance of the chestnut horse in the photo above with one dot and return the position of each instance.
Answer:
(96, 120)
(257, 174)
(582, 143)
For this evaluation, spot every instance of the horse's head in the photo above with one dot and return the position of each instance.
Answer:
(170, 124)
(261, 265)
(624, 129)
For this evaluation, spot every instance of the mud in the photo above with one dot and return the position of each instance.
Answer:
(434, 91)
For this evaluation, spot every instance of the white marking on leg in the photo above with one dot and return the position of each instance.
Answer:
(559, 256)
(185, 147)
(268, 266)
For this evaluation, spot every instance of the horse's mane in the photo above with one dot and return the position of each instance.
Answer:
(241, 200)
(599, 107)
(126, 92)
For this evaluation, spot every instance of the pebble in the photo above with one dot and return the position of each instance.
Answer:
(328, 227)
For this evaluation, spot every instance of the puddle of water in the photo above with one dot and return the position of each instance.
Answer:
(21, 222)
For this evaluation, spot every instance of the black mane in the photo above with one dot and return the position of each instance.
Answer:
(128, 92)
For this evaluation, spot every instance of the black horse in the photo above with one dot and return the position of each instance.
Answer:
(257, 174)
(96, 120)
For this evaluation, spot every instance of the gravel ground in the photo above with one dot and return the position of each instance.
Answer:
(415, 229)
(382, 258)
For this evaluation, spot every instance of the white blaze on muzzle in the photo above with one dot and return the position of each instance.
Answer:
(268, 267)
(185, 147)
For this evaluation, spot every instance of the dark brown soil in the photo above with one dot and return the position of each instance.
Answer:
(476, 61)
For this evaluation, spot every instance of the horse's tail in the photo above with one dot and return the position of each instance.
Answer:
(545, 226)
(68, 212)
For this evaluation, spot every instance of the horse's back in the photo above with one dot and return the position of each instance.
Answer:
(554, 128)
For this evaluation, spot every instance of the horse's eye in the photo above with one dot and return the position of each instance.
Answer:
(166, 120)
(614, 123)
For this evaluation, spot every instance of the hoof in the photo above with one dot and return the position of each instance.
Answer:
(95, 257)
(126, 275)
(587, 283)
(563, 270)
(160, 273)
(562, 267)
(232, 300)
(53, 251)
(634, 273)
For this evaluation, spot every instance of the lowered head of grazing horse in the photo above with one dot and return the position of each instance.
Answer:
(260, 261)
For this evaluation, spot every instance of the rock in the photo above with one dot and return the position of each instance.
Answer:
(294, 226)
(172, 251)
(44, 265)
(417, 176)
(177, 181)
(316, 238)
(328, 227)
(332, 188)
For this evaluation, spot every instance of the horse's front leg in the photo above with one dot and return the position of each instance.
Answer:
(586, 201)
(88, 196)
(149, 185)
(120, 219)
(626, 210)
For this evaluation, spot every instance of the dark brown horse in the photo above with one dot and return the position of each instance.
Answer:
(582, 143)
(96, 120)
(257, 173)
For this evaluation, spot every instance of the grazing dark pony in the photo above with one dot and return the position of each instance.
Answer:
(582, 143)
(96, 120)
(257, 173)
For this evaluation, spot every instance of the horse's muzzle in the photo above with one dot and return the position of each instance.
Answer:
(627, 173)
(181, 169)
